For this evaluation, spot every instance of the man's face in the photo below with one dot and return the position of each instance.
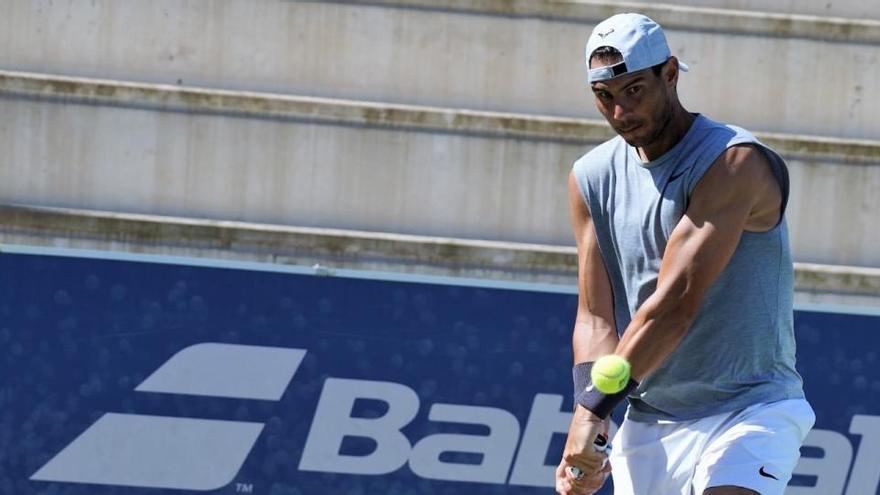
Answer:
(638, 106)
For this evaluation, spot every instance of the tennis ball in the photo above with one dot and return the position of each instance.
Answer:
(610, 374)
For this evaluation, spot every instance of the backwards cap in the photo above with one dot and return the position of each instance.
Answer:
(639, 39)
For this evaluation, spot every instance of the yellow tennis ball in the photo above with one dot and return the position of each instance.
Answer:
(610, 374)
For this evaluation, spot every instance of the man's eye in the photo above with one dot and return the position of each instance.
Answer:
(604, 95)
(634, 90)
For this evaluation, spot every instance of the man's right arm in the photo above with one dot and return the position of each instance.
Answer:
(594, 333)
(594, 336)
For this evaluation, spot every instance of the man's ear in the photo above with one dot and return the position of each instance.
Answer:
(670, 71)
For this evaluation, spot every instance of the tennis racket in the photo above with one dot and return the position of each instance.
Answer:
(600, 444)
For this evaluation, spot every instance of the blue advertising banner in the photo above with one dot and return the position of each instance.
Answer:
(123, 376)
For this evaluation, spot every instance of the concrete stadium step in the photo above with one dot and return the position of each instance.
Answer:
(340, 252)
(765, 71)
(854, 9)
(287, 160)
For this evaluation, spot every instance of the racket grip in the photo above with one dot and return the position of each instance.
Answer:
(600, 444)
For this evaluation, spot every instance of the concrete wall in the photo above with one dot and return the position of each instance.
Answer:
(855, 9)
(257, 158)
(334, 252)
(768, 73)
(295, 173)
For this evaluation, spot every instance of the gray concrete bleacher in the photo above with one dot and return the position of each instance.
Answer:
(444, 118)
(233, 155)
(767, 71)
(330, 252)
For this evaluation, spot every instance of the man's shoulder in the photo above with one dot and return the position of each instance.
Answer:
(599, 158)
(737, 144)
(728, 134)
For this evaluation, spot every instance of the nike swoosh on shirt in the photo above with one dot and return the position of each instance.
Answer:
(766, 474)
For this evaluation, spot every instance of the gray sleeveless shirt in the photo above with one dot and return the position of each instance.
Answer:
(740, 349)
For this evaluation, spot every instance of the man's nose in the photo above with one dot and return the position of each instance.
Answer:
(621, 111)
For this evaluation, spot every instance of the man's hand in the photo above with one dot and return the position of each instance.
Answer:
(579, 453)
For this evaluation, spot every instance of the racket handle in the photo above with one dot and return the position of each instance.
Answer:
(600, 444)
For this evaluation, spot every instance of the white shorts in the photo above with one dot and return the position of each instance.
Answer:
(755, 448)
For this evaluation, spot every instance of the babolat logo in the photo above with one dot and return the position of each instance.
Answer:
(180, 453)
(200, 454)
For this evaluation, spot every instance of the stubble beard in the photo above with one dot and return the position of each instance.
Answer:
(664, 117)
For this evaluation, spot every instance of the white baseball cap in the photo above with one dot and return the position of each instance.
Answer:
(638, 38)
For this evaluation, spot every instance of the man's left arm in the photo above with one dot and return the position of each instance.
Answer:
(731, 195)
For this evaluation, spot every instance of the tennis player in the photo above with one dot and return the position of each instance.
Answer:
(685, 271)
